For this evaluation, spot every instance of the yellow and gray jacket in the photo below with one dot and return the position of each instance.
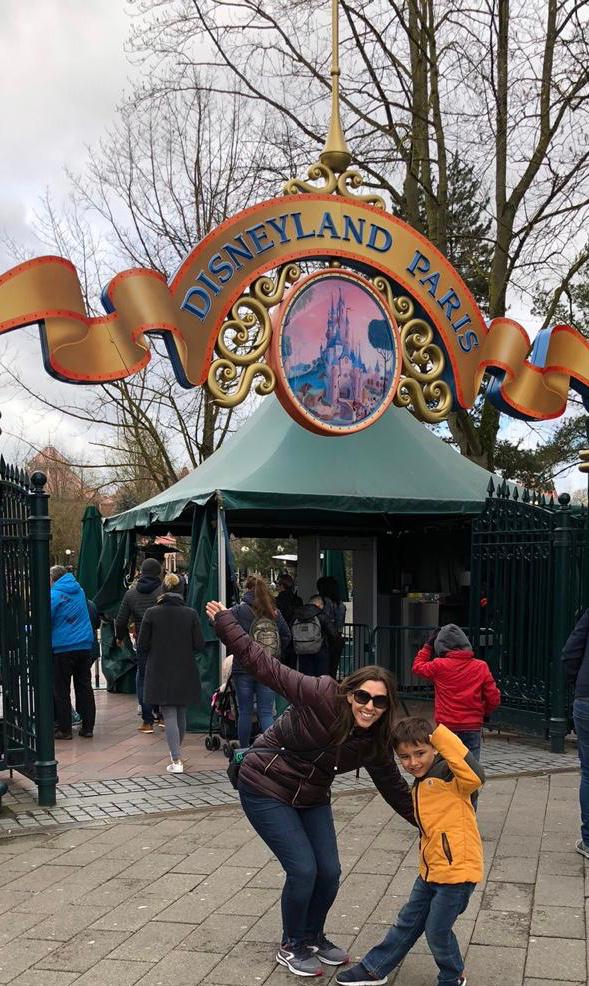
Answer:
(450, 845)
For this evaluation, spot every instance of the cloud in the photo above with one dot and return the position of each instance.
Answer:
(64, 63)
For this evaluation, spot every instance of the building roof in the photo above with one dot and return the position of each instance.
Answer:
(273, 470)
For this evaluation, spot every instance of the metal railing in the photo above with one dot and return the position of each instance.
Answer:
(26, 669)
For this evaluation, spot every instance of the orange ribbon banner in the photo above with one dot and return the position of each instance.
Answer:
(529, 382)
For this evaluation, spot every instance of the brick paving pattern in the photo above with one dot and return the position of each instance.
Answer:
(194, 897)
(126, 796)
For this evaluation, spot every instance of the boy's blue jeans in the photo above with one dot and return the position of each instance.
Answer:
(433, 908)
(581, 718)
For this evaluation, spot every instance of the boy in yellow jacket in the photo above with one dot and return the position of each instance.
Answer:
(450, 851)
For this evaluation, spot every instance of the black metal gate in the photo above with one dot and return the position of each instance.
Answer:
(528, 585)
(26, 673)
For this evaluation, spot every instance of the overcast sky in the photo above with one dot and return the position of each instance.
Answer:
(63, 70)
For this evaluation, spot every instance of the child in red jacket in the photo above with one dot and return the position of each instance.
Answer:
(464, 689)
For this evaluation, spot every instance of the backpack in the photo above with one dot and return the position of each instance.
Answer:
(307, 636)
(265, 632)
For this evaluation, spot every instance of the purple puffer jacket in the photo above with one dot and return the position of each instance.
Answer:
(306, 761)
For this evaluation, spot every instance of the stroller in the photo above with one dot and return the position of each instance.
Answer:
(223, 720)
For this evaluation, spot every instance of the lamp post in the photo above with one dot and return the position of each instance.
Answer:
(68, 555)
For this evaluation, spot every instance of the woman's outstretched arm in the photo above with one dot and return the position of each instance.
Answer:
(300, 689)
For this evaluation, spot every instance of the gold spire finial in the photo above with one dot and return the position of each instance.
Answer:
(336, 153)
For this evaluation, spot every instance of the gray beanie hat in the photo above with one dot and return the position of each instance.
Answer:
(151, 566)
(451, 637)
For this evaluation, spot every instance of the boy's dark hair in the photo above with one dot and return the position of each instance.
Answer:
(412, 729)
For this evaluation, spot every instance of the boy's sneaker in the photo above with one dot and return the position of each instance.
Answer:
(299, 959)
(583, 848)
(145, 727)
(357, 975)
(327, 952)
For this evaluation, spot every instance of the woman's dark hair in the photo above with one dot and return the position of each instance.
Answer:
(412, 729)
(328, 587)
(263, 604)
(382, 731)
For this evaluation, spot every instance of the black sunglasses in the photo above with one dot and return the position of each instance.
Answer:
(363, 698)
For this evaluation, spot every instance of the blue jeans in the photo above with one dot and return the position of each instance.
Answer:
(245, 689)
(304, 842)
(472, 739)
(146, 707)
(581, 719)
(433, 908)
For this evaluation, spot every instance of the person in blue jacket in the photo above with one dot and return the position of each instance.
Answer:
(72, 638)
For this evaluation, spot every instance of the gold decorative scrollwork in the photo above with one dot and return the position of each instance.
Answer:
(402, 307)
(231, 375)
(340, 184)
(420, 388)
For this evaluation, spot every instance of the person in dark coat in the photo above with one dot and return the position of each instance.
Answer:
(134, 605)
(312, 662)
(575, 660)
(335, 614)
(285, 781)
(171, 637)
(288, 602)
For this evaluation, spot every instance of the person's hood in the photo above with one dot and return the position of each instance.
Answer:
(462, 654)
(67, 584)
(450, 637)
(147, 583)
(308, 611)
(171, 599)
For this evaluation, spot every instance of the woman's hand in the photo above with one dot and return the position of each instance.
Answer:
(213, 608)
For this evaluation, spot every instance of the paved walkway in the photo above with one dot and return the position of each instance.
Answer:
(117, 797)
(194, 898)
(121, 772)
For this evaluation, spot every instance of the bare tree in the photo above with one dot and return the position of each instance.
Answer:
(503, 84)
(165, 175)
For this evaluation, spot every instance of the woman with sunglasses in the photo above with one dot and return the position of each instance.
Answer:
(285, 781)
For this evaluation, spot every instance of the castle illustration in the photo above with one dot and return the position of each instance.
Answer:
(338, 380)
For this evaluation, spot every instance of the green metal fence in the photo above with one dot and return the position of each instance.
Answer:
(529, 585)
(26, 672)
(357, 649)
(529, 567)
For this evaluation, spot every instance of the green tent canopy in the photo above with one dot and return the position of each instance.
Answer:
(272, 470)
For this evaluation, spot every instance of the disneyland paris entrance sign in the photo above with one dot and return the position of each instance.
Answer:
(379, 264)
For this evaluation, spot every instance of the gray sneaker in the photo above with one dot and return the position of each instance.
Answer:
(327, 952)
(583, 848)
(299, 959)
